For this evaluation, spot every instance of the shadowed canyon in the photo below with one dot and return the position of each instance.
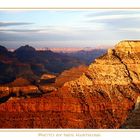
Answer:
(43, 89)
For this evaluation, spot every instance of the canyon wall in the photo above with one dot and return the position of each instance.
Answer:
(102, 97)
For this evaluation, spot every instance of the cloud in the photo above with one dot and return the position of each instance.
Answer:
(116, 20)
(5, 24)
(55, 34)
(99, 26)
(130, 29)
(105, 18)
(112, 12)
(20, 30)
(59, 34)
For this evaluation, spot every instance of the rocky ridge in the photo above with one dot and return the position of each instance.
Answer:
(102, 97)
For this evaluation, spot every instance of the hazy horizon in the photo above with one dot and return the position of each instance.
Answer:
(68, 28)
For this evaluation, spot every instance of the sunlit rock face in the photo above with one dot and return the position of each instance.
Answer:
(101, 97)
(69, 75)
(19, 91)
(128, 46)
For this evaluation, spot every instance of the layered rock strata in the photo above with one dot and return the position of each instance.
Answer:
(102, 97)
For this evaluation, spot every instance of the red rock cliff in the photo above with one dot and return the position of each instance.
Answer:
(101, 98)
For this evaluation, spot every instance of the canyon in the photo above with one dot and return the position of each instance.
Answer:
(103, 95)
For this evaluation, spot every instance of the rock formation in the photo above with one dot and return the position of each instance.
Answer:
(29, 63)
(133, 119)
(137, 104)
(3, 50)
(47, 78)
(69, 75)
(102, 97)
